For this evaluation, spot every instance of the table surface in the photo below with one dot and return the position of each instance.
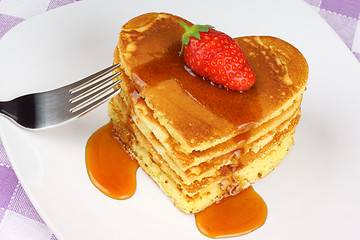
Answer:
(18, 218)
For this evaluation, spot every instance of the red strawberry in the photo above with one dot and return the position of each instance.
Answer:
(216, 56)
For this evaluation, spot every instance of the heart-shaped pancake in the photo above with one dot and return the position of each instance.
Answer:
(198, 141)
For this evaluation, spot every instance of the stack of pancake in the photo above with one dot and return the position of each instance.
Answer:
(198, 141)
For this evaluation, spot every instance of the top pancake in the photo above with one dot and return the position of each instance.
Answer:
(195, 112)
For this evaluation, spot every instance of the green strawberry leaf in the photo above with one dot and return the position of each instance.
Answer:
(193, 31)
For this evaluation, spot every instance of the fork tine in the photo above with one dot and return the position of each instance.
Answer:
(91, 87)
(93, 95)
(96, 103)
(85, 81)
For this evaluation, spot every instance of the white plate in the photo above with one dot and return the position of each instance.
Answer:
(313, 194)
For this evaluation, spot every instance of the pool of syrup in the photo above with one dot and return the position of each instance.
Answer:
(111, 169)
(233, 216)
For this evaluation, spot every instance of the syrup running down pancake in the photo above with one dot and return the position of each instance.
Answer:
(200, 142)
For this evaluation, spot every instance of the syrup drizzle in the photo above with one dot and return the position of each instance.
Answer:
(110, 167)
(113, 172)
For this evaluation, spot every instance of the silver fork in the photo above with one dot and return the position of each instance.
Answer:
(45, 109)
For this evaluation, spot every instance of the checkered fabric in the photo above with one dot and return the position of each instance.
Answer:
(344, 17)
(18, 218)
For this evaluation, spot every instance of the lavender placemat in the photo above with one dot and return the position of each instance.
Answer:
(18, 218)
(344, 17)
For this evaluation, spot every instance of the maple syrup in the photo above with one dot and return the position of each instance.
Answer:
(113, 172)
(110, 167)
(233, 216)
(267, 94)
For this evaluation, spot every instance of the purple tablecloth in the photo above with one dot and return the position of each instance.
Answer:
(18, 218)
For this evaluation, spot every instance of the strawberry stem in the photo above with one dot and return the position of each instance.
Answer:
(186, 27)
(193, 31)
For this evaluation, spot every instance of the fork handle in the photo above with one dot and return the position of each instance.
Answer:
(6, 109)
(2, 108)
(21, 110)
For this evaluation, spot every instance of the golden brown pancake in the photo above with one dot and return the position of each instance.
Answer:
(200, 142)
